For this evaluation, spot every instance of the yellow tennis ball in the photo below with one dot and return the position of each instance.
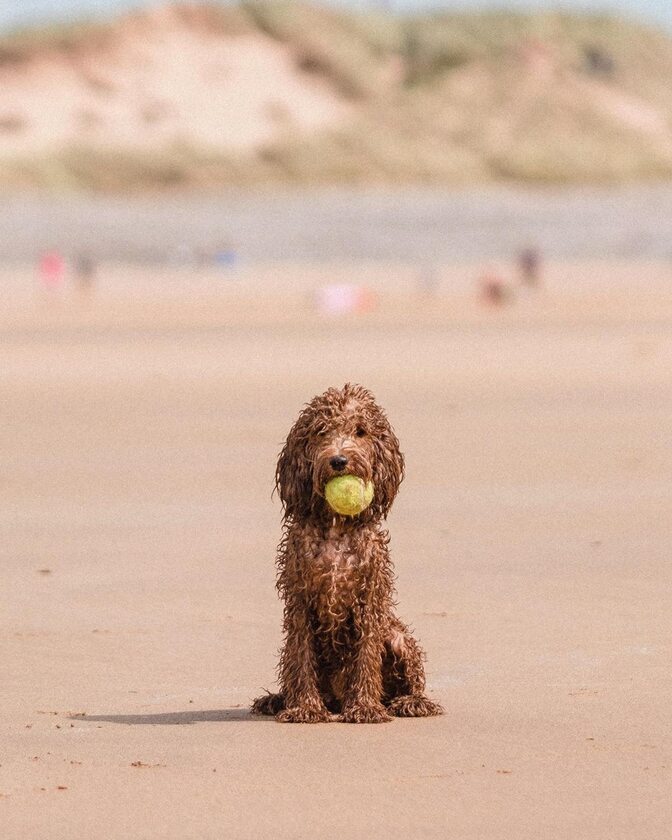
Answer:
(348, 495)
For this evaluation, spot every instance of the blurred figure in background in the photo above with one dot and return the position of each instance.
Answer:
(51, 270)
(598, 62)
(85, 273)
(529, 267)
(493, 290)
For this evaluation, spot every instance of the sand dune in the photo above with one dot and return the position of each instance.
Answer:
(156, 81)
(196, 94)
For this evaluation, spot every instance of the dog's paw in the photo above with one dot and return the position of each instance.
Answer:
(303, 714)
(410, 705)
(269, 704)
(365, 713)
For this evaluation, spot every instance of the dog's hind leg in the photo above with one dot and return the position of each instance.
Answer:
(268, 704)
(414, 705)
(405, 677)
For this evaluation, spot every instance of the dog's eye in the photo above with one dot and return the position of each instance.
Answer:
(360, 431)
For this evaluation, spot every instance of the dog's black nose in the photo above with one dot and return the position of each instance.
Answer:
(338, 462)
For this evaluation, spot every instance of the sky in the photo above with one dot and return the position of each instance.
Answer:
(16, 13)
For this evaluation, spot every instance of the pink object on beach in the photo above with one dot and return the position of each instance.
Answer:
(344, 299)
(52, 269)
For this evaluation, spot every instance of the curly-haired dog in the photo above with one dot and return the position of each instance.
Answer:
(346, 655)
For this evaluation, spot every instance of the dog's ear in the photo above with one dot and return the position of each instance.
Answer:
(293, 475)
(388, 469)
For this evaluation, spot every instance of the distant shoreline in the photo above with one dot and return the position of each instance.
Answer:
(408, 226)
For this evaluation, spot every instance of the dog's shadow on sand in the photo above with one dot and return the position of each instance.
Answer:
(233, 715)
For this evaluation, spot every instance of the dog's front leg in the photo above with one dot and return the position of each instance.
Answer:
(365, 680)
(298, 671)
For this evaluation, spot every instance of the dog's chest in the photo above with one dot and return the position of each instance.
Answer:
(335, 569)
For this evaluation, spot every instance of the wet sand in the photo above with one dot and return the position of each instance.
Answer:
(531, 538)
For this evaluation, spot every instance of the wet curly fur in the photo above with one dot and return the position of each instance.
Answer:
(346, 655)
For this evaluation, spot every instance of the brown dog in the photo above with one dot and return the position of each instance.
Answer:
(346, 655)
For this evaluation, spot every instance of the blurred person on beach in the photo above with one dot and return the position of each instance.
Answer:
(529, 267)
(493, 290)
(51, 270)
(598, 62)
(85, 273)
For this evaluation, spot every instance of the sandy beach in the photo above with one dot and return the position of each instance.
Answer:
(532, 540)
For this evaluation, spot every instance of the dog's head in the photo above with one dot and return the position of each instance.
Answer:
(340, 432)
